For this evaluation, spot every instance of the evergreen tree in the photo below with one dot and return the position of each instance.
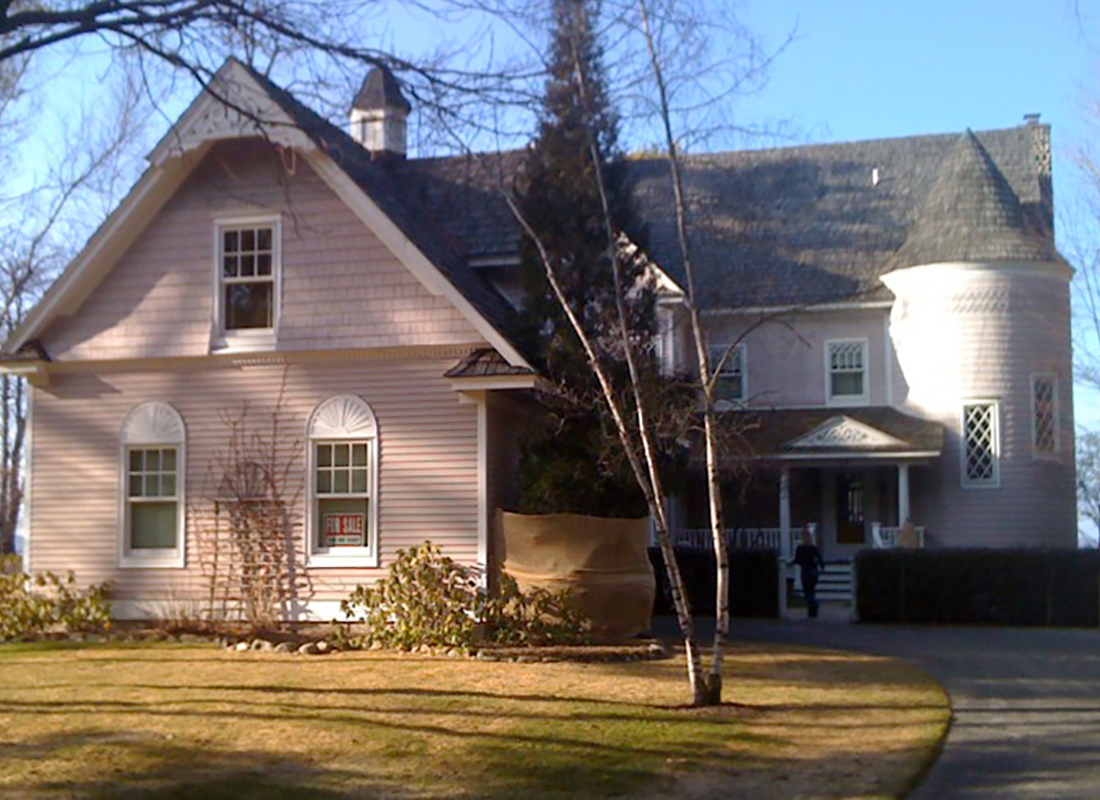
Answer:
(561, 199)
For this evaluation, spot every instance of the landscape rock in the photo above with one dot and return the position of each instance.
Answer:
(285, 647)
(241, 646)
(262, 645)
(308, 649)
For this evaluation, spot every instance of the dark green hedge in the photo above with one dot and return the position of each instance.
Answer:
(754, 582)
(979, 587)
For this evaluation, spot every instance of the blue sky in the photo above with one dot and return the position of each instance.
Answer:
(866, 69)
(863, 69)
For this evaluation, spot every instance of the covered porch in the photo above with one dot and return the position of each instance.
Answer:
(845, 475)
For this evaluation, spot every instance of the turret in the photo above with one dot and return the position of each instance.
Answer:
(980, 326)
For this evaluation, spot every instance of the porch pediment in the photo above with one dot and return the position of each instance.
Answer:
(844, 433)
(831, 436)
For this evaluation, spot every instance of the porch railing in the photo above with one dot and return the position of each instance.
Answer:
(886, 536)
(747, 538)
(881, 536)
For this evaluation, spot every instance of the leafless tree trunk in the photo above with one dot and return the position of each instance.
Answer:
(708, 373)
(639, 451)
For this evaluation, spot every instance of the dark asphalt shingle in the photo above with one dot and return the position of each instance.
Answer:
(971, 214)
(380, 90)
(377, 181)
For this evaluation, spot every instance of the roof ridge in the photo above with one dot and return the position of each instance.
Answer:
(854, 143)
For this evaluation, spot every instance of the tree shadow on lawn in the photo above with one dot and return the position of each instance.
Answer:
(697, 731)
(147, 766)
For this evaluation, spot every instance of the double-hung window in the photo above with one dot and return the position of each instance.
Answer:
(1044, 415)
(248, 272)
(342, 528)
(152, 469)
(981, 447)
(846, 372)
(731, 373)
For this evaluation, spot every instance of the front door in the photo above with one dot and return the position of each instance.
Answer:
(850, 509)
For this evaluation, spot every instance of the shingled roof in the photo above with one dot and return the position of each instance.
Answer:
(971, 214)
(812, 224)
(401, 207)
(795, 225)
(380, 90)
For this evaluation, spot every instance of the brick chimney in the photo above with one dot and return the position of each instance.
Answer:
(379, 114)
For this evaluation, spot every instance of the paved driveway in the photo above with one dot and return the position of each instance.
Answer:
(1026, 701)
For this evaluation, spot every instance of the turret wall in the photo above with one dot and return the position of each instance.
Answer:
(980, 335)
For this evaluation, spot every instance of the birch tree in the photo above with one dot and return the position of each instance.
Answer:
(707, 373)
(569, 217)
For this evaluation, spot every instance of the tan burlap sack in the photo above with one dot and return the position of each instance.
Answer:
(604, 562)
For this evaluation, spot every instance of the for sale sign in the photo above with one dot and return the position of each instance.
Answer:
(345, 530)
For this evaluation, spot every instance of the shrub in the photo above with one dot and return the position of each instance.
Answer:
(429, 599)
(58, 603)
(979, 587)
(753, 586)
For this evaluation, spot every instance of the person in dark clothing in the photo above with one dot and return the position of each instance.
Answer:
(810, 564)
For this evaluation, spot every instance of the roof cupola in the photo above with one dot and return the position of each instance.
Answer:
(379, 115)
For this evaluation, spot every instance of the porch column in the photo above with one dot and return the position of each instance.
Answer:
(785, 512)
(903, 494)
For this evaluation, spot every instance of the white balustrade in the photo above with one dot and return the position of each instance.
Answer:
(742, 538)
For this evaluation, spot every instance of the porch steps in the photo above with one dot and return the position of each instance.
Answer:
(835, 584)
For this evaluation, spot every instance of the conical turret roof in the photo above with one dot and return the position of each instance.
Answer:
(971, 214)
(380, 90)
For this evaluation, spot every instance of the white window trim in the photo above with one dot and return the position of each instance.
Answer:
(1035, 452)
(847, 399)
(739, 350)
(343, 418)
(966, 482)
(149, 425)
(258, 339)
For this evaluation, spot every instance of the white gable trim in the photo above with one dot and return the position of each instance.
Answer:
(251, 112)
(205, 121)
(844, 432)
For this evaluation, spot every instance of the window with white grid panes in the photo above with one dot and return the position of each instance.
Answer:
(152, 486)
(342, 490)
(248, 264)
(981, 449)
(847, 371)
(1044, 402)
(731, 377)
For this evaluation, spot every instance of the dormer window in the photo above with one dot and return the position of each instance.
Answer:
(248, 267)
(846, 372)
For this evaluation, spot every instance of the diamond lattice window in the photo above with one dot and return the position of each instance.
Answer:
(1044, 392)
(980, 443)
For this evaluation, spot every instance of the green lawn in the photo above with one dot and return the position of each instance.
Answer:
(199, 722)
